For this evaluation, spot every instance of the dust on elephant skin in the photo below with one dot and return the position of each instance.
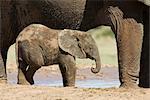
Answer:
(38, 45)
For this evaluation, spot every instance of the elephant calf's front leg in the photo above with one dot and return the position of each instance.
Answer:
(68, 69)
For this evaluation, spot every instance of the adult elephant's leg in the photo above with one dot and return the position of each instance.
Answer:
(144, 79)
(4, 56)
(3, 59)
(129, 42)
(2, 70)
(68, 69)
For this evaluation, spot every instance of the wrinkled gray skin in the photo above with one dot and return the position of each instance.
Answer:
(38, 45)
(122, 15)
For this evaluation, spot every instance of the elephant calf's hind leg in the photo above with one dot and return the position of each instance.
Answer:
(21, 73)
(30, 73)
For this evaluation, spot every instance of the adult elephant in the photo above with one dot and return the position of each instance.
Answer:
(123, 16)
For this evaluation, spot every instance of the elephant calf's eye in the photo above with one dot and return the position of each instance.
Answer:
(77, 39)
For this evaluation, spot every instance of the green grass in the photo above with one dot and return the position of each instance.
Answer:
(101, 32)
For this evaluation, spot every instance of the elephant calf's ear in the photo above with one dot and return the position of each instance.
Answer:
(69, 43)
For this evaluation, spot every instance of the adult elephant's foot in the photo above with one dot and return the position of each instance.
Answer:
(3, 76)
(129, 85)
(3, 80)
(129, 76)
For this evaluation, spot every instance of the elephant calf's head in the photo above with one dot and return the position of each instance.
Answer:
(81, 45)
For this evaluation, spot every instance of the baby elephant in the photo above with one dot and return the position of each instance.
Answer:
(38, 45)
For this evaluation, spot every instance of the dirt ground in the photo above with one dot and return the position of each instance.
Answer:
(12, 91)
(18, 92)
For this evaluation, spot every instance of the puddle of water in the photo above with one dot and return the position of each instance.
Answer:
(97, 84)
(81, 83)
(108, 79)
(49, 83)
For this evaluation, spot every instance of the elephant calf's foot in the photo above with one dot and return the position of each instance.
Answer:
(69, 81)
(30, 80)
(69, 84)
(23, 82)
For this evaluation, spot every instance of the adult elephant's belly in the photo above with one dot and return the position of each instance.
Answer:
(7, 28)
(62, 13)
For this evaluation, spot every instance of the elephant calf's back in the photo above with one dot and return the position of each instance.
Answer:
(38, 44)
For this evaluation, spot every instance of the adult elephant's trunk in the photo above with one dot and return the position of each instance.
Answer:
(98, 65)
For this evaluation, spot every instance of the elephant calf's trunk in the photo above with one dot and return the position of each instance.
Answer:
(98, 67)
